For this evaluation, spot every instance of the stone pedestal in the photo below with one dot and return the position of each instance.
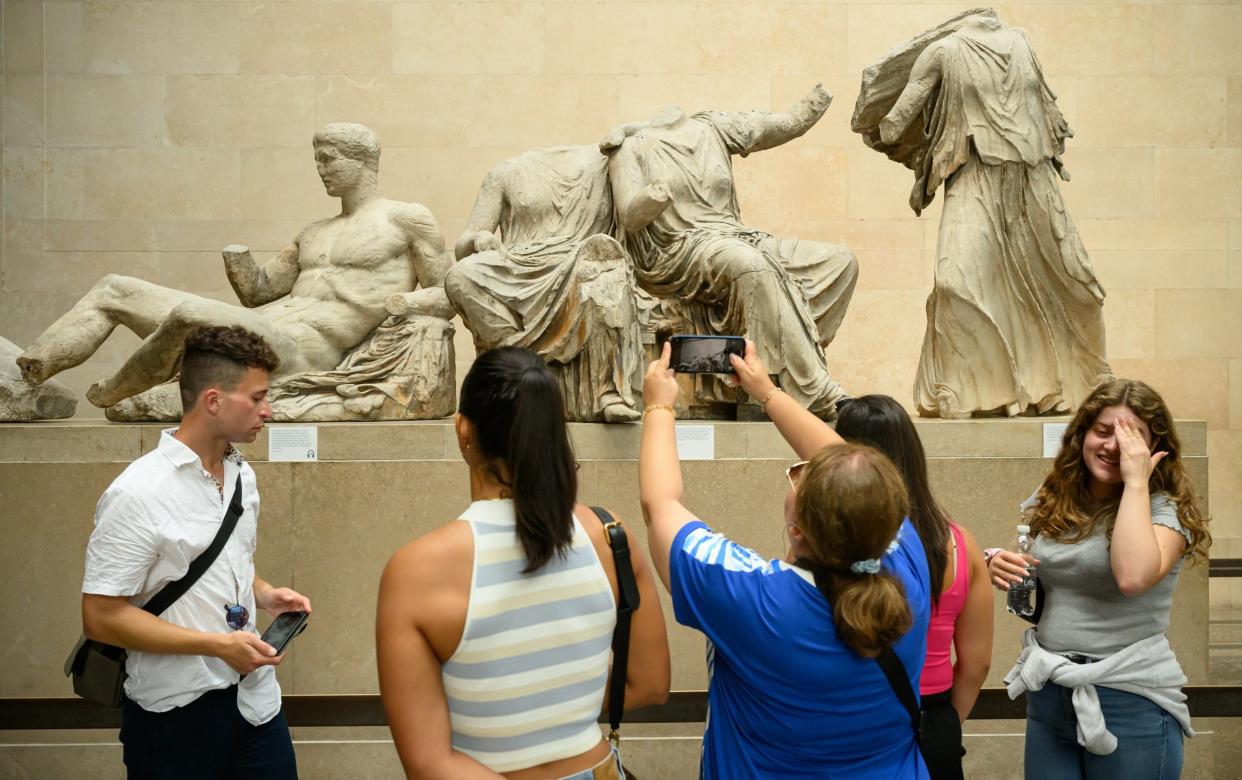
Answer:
(327, 528)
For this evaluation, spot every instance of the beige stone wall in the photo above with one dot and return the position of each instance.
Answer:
(140, 138)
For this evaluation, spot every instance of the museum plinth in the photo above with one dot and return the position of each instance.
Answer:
(326, 528)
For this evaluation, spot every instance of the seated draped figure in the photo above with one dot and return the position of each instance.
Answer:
(339, 307)
(538, 268)
(678, 217)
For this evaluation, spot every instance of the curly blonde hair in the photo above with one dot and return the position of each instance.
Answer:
(1064, 508)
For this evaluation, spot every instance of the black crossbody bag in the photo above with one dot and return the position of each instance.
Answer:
(98, 669)
(627, 587)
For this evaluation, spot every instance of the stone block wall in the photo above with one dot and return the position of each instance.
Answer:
(141, 137)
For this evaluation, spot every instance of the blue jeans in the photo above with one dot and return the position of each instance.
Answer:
(1149, 740)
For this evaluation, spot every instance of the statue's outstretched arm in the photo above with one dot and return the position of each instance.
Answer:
(480, 232)
(257, 284)
(924, 76)
(776, 128)
(638, 200)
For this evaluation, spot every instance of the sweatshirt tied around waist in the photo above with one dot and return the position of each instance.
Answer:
(1146, 668)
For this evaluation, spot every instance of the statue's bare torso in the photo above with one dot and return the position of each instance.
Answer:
(347, 266)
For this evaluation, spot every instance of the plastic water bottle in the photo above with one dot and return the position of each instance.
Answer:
(1021, 599)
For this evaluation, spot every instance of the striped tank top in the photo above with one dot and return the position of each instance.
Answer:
(526, 683)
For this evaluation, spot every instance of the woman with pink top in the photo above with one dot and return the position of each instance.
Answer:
(961, 618)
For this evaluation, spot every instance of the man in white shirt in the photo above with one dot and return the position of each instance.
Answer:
(202, 699)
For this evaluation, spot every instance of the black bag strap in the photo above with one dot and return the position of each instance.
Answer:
(894, 670)
(169, 594)
(627, 587)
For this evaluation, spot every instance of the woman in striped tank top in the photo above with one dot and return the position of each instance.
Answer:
(494, 632)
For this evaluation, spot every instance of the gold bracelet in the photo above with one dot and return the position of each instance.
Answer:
(656, 407)
(768, 397)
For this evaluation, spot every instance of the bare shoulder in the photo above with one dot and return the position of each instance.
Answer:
(930, 57)
(412, 217)
(311, 230)
(971, 543)
(973, 552)
(424, 561)
(501, 171)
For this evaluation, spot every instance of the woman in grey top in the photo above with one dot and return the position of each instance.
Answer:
(1113, 522)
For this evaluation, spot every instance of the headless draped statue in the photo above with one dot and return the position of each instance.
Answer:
(323, 304)
(554, 280)
(672, 180)
(1015, 320)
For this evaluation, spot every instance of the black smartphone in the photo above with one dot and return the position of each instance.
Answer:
(705, 354)
(284, 628)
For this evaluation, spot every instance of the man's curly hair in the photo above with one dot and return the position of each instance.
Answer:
(217, 356)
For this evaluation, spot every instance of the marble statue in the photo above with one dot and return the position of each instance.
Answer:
(21, 401)
(537, 268)
(678, 217)
(1015, 318)
(339, 307)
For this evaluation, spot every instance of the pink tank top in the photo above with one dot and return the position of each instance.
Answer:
(938, 666)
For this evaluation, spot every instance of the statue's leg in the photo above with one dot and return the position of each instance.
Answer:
(158, 357)
(825, 272)
(114, 300)
(468, 285)
(788, 345)
(612, 353)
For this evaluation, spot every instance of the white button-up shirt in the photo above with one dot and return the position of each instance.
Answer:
(150, 524)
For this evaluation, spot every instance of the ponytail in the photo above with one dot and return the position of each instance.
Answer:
(545, 474)
(850, 506)
(519, 420)
(870, 611)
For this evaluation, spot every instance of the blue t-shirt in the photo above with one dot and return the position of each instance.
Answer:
(786, 698)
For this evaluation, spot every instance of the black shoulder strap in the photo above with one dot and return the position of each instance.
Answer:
(895, 671)
(169, 594)
(627, 587)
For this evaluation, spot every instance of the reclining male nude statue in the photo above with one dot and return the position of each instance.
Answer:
(314, 302)
(672, 181)
(554, 280)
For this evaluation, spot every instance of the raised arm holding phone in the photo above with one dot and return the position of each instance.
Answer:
(793, 643)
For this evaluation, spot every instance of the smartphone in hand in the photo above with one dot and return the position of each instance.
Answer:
(705, 354)
(284, 628)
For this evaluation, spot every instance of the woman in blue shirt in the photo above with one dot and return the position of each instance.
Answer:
(795, 691)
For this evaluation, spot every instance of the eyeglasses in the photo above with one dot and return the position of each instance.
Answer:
(794, 473)
(236, 616)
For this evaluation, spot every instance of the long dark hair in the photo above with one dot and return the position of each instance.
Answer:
(878, 420)
(515, 405)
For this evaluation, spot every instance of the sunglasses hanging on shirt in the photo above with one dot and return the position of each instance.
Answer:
(236, 615)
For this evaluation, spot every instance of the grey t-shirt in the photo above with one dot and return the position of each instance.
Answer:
(1084, 610)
